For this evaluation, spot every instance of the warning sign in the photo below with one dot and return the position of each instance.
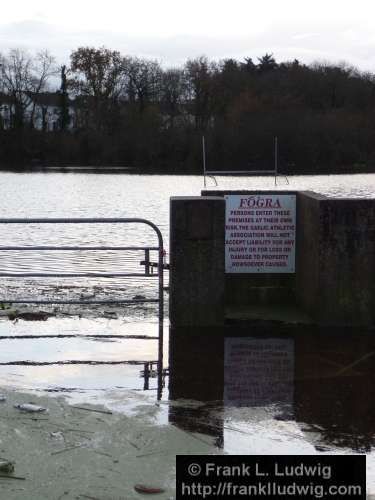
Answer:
(260, 233)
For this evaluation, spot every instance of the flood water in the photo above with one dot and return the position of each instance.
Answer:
(299, 393)
(70, 195)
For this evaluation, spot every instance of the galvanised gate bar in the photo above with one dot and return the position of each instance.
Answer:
(148, 270)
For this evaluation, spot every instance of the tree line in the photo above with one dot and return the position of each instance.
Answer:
(111, 109)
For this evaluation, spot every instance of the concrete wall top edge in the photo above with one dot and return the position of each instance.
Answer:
(352, 201)
(192, 198)
(313, 194)
(310, 194)
(223, 192)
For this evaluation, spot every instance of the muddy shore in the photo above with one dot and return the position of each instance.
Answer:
(86, 451)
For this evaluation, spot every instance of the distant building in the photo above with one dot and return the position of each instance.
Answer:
(6, 107)
(42, 111)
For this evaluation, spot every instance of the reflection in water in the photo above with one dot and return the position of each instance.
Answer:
(33, 354)
(196, 367)
(312, 390)
(258, 372)
(335, 387)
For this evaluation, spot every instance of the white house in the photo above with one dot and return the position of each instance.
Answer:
(42, 111)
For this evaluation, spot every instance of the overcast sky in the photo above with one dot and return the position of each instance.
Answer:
(173, 30)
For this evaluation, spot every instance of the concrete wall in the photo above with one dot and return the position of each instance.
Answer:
(334, 283)
(336, 264)
(196, 307)
(197, 261)
(196, 363)
(265, 288)
(308, 248)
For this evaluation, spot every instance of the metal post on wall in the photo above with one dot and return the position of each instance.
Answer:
(204, 159)
(161, 314)
(276, 159)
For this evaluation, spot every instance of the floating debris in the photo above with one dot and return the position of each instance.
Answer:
(6, 466)
(87, 295)
(57, 435)
(4, 305)
(110, 314)
(8, 313)
(34, 316)
(106, 412)
(12, 477)
(2, 398)
(31, 408)
(139, 297)
(152, 490)
(67, 449)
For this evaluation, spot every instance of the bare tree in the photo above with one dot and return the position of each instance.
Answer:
(24, 77)
(143, 78)
(173, 93)
(200, 74)
(64, 116)
(43, 68)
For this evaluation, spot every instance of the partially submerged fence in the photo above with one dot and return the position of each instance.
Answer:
(148, 271)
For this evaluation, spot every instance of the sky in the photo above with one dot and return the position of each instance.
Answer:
(172, 31)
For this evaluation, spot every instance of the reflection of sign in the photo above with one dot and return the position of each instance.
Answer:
(260, 233)
(258, 371)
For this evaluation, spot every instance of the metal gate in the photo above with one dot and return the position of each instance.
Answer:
(147, 273)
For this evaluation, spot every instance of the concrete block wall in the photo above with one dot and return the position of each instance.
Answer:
(334, 280)
(308, 249)
(197, 261)
(336, 259)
